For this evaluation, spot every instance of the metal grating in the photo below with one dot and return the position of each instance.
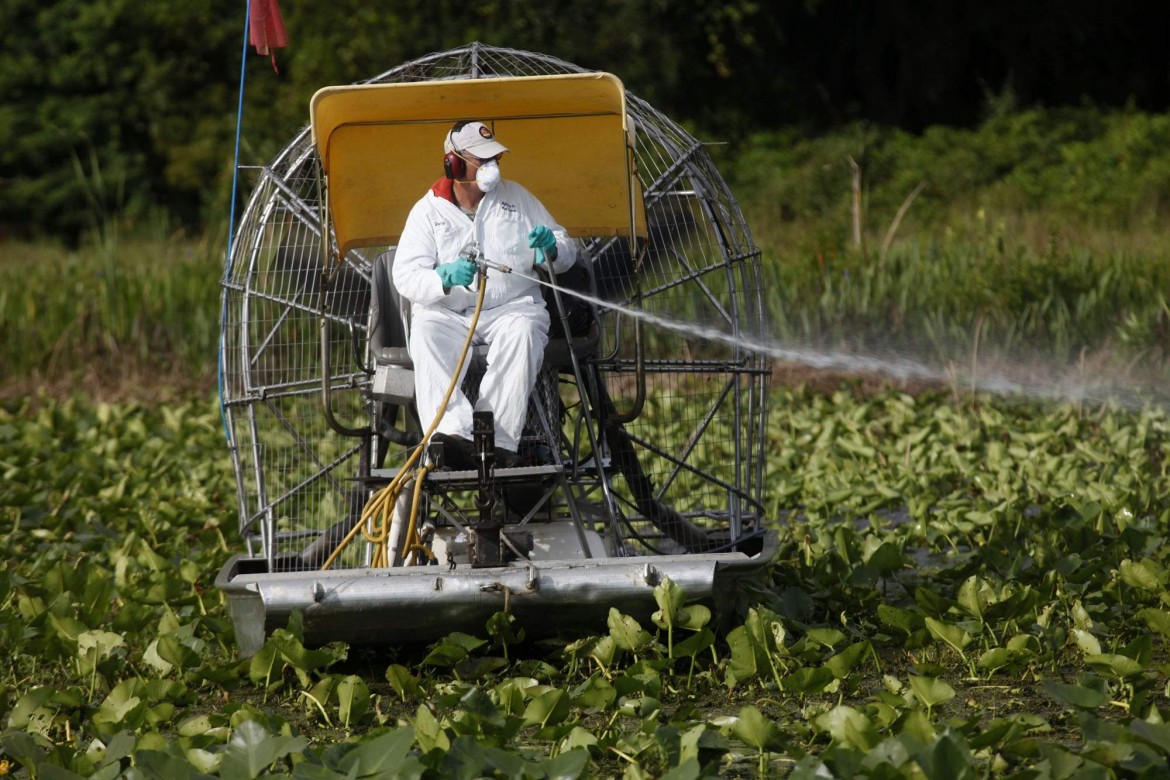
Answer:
(698, 437)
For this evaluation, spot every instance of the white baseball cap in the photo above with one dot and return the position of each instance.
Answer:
(474, 138)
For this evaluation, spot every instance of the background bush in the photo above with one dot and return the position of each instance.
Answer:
(140, 96)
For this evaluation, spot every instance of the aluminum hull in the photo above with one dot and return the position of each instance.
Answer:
(421, 604)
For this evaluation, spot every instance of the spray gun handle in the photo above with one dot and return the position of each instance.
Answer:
(482, 272)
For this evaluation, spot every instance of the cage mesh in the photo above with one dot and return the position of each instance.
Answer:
(700, 400)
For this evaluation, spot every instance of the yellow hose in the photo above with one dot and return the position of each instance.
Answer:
(383, 501)
(412, 540)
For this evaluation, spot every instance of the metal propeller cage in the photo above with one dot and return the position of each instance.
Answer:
(696, 407)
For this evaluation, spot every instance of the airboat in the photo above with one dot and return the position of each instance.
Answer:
(643, 451)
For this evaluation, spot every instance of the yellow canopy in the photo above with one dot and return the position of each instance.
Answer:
(381, 148)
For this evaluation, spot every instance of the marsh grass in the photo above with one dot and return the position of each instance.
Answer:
(1035, 240)
(145, 304)
(978, 296)
(931, 295)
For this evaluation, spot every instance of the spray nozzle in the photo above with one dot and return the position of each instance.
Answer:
(472, 253)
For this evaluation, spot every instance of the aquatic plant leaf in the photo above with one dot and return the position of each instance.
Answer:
(1075, 695)
(174, 651)
(402, 681)
(595, 694)
(754, 729)
(849, 727)
(445, 653)
(464, 760)
(808, 679)
(695, 644)
(378, 756)
(123, 708)
(158, 763)
(302, 660)
(886, 558)
(264, 667)
(828, 637)
(1081, 617)
(669, 597)
(1144, 575)
(472, 669)
(753, 645)
(632, 683)
(1156, 734)
(98, 643)
(1156, 620)
(502, 628)
(626, 632)
(693, 617)
(511, 695)
(1123, 667)
(156, 661)
(507, 764)
(603, 651)
(569, 765)
(477, 703)
(353, 700)
(24, 748)
(844, 662)
(949, 633)
(1088, 643)
(974, 596)
(995, 658)
(22, 712)
(931, 691)
(548, 708)
(204, 761)
(903, 620)
(429, 731)
(949, 757)
(640, 707)
(252, 749)
(745, 662)
(540, 669)
(931, 603)
(578, 737)
(703, 742)
(1140, 649)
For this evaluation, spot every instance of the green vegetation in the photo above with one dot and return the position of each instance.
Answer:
(966, 586)
(962, 590)
(146, 92)
(146, 305)
(1039, 235)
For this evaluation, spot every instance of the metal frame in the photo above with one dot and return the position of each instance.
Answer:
(296, 476)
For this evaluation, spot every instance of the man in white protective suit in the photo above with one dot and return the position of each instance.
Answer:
(471, 209)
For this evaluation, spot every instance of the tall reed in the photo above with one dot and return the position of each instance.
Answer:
(150, 303)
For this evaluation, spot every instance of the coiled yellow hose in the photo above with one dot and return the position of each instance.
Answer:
(381, 504)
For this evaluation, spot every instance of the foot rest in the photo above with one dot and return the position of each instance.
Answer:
(470, 478)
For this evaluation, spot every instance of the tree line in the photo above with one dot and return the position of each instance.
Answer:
(125, 110)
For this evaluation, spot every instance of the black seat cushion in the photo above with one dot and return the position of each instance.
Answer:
(580, 313)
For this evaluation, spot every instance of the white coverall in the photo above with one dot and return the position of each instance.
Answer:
(514, 321)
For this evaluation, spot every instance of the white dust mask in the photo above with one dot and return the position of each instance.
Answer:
(488, 176)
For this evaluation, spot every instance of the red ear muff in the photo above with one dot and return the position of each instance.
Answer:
(454, 166)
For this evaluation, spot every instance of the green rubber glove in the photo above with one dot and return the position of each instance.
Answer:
(459, 273)
(544, 242)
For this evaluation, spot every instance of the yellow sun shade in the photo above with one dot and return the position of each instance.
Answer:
(381, 148)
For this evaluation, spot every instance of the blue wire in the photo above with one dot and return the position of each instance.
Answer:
(227, 270)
